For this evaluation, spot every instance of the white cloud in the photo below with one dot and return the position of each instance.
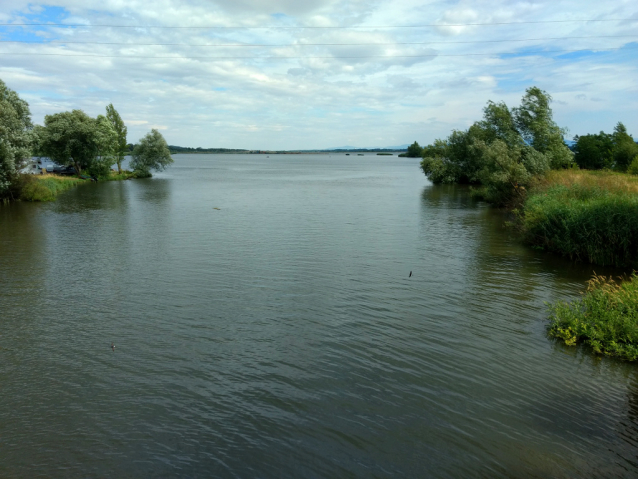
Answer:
(305, 94)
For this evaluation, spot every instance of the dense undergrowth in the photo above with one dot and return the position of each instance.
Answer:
(590, 216)
(606, 318)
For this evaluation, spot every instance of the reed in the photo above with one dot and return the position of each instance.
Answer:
(45, 187)
(606, 318)
(587, 216)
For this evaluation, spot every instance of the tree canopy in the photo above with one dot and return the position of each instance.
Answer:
(73, 138)
(503, 151)
(151, 153)
(15, 136)
(120, 129)
(604, 150)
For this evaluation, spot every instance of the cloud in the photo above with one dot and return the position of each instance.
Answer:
(255, 84)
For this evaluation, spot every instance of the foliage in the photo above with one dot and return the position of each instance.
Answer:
(46, 187)
(606, 318)
(594, 152)
(120, 130)
(503, 152)
(151, 153)
(633, 166)
(414, 151)
(625, 148)
(15, 137)
(588, 216)
(73, 138)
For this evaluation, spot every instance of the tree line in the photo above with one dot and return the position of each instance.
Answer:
(91, 146)
(506, 150)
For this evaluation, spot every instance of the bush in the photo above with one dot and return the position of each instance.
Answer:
(633, 166)
(606, 318)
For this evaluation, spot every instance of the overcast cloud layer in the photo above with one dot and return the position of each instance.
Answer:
(358, 84)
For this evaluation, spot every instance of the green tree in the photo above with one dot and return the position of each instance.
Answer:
(534, 120)
(624, 147)
(120, 128)
(151, 153)
(73, 138)
(15, 137)
(414, 151)
(594, 152)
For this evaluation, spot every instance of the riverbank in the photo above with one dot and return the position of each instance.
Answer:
(589, 216)
(47, 187)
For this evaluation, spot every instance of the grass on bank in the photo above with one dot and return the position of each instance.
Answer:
(590, 216)
(606, 318)
(45, 187)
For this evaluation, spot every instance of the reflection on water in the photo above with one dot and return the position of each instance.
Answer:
(280, 335)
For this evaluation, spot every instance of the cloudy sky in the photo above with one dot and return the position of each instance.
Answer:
(301, 74)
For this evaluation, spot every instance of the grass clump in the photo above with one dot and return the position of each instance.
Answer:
(45, 187)
(588, 216)
(606, 318)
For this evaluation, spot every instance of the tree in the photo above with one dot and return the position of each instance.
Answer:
(414, 151)
(594, 152)
(120, 129)
(73, 138)
(625, 148)
(534, 120)
(15, 137)
(151, 153)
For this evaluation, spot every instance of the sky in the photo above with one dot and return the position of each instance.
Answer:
(313, 74)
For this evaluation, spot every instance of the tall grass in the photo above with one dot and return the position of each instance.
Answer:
(45, 187)
(588, 216)
(606, 318)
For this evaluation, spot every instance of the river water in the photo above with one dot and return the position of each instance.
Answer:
(265, 325)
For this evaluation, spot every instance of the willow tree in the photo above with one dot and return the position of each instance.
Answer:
(151, 153)
(120, 129)
(73, 138)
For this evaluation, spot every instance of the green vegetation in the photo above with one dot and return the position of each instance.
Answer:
(72, 138)
(15, 139)
(585, 215)
(414, 151)
(603, 150)
(385, 154)
(45, 187)
(151, 153)
(606, 318)
(121, 148)
(504, 152)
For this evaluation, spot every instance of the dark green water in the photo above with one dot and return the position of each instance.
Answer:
(280, 336)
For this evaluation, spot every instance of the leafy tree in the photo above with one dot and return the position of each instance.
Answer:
(151, 153)
(624, 149)
(15, 137)
(73, 138)
(534, 121)
(414, 151)
(594, 152)
(120, 129)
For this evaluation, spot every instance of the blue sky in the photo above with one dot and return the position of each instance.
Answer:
(295, 89)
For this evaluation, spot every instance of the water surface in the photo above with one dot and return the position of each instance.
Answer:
(265, 326)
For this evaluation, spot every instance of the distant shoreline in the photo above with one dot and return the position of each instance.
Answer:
(276, 152)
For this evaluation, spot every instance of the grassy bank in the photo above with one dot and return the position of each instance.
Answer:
(46, 187)
(590, 216)
(606, 318)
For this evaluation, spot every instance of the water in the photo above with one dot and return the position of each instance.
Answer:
(280, 335)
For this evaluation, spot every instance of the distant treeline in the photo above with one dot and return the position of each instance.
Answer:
(184, 149)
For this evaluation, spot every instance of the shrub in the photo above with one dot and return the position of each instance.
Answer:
(633, 166)
(606, 318)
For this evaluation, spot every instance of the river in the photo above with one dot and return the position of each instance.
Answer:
(265, 325)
